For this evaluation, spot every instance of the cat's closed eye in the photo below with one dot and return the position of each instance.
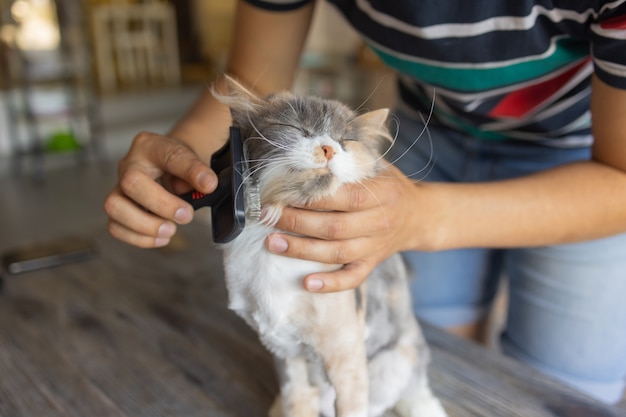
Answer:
(305, 132)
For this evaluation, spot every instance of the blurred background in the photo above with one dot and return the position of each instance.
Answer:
(79, 78)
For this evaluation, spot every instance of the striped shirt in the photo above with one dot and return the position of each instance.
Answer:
(497, 70)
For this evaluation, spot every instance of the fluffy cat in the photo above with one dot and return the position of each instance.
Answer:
(354, 353)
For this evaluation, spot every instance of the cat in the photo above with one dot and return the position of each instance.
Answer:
(354, 353)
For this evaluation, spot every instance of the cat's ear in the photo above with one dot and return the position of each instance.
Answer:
(242, 102)
(375, 121)
(374, 118)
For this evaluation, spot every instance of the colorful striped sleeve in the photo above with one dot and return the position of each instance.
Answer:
(608, 43)
(278, 5)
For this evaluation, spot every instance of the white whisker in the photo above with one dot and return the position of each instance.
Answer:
(380, 204)
(261, 136)
(395, 138)
(424, 129)
(431, 158)
(271, 142)
(372, 93)
(293, 108)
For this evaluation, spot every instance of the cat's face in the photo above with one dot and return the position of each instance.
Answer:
(301, 149)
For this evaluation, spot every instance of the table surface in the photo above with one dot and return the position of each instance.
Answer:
(137, 332)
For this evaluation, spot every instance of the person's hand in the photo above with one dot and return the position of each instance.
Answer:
(143, 209)
(359, 228)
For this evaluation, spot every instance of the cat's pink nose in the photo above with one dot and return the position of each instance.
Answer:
(328, 152)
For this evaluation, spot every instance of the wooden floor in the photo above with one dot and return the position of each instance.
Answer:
(147, 333)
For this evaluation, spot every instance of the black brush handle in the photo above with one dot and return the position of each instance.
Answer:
(199, 200)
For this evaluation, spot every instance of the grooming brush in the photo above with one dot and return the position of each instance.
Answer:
(236, 196)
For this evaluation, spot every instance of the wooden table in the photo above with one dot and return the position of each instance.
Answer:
(138, 332)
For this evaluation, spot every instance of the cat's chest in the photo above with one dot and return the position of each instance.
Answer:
(264, 287)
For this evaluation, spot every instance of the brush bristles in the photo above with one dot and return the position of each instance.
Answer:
(252, 200)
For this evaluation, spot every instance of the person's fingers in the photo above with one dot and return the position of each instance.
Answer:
(153, 156)
(325, 251)
(175, 185)
(175, 158)
(350, 197)
(144, 207)
(333, 225)
(126, 213)
(349, 277)
(150, 195)
(131, 237)
(363, 195)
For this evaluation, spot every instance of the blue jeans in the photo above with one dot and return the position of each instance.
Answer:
(567, 303)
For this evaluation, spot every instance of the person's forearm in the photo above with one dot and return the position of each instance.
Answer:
(264, 58)
(267, 45)
(572, 203)
(204, 127)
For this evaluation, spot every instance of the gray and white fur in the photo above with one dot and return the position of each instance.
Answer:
(354, 353)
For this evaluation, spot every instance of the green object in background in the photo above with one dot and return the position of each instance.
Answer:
(63, 141)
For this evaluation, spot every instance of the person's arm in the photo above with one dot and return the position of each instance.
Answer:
(143, 209)
(575, 202)
(264, 56)
(571, 203)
